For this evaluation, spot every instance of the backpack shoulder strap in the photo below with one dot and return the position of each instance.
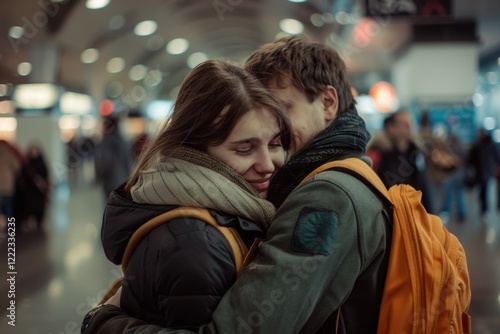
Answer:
(357, 168)
(237, 245)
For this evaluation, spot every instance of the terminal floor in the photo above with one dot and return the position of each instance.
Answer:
(61, 271)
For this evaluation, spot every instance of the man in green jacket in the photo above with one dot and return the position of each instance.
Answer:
(324, 261)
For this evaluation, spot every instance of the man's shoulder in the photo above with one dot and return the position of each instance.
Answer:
(350, 185)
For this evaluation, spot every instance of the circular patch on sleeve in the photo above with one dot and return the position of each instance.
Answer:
(315, 231)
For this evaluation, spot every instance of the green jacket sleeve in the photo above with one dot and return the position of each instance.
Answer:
(305, 270)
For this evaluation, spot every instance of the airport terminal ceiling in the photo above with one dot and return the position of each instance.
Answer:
(58, 34)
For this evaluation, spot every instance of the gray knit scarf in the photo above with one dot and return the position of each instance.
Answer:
(347, 136)
(193, 178)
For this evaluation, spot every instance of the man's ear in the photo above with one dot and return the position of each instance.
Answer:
(330, 103)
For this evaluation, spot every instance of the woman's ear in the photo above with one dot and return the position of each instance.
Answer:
(330, 103)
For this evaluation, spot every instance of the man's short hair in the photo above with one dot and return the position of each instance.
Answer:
(311, 66)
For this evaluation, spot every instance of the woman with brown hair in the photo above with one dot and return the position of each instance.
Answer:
(225, 139)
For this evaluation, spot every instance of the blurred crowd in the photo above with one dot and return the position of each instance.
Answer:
(437, 163)
(109, 154)
(24, 185)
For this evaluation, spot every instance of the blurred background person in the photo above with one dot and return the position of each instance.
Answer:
(38, 185)
(483, 157)
(440, 162)
(454, 194)
(379, 144)
(9, 168)
(403, 162)
(113, 156)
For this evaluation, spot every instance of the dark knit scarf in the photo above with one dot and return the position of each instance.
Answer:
(347, 136)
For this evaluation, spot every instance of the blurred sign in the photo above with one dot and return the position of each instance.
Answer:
(457, 120)
(408, 7)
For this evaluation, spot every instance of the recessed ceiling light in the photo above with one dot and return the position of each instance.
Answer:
(196, 58)
(137, 72)
(177, 46)
(16, 32)
(89, 56)
(154, 78)
(116, 22)
(24, 69)
(317, 20)
(115, 65)
(297, 1)
(489, 123)
(291, 26)
(146, 28)
(114, 89)
(96, 4)
(496, 137)
(343, 17)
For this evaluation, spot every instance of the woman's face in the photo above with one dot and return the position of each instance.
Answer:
(253, 149)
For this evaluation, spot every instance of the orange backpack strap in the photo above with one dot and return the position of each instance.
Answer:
(357, 166)
(237, 245)
(240, 250)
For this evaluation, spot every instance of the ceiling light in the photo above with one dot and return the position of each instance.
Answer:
(477, 99)
(35, 96)
(317, 20)
(489, 123)
(291, 26)
(116, 22)
(114, 89)
(177, 46)
(297, 1)
(16, 32)
(496, 137)
(115, 65)
(138, 94)
(89, 56)
(196, 58)
(96, 4)
(75, 103)
(24, 69)
(154, 78)
(137, 72)
(343, 17)
(328, 17)
(146, 28)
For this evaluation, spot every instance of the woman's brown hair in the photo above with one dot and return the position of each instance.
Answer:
(211, 100)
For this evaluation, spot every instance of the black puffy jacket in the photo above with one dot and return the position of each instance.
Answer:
(180, 271)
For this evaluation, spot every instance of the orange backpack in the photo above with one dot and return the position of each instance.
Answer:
(427, 287)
